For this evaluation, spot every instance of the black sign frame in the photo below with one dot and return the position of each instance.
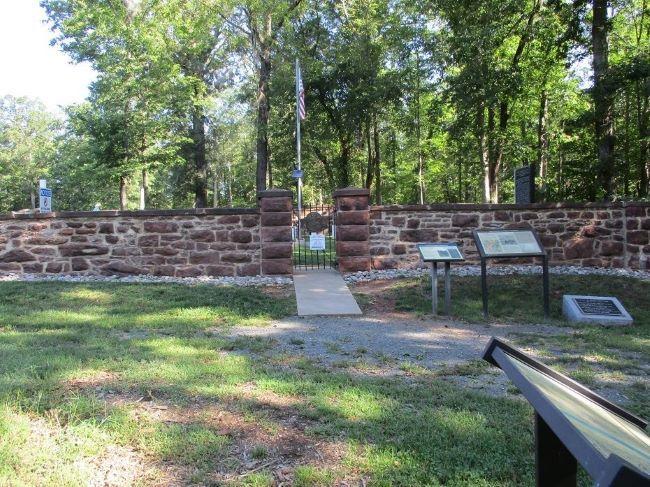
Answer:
(559, 445)
(484, 255)
(441, 244)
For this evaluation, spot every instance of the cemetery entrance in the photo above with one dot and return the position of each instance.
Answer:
(314, 237)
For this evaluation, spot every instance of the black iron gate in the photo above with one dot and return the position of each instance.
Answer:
(314, 237)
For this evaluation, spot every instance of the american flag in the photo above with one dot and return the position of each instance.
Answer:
(300, 96)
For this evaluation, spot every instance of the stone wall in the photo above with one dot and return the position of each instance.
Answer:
(604, 235)
(180, 243)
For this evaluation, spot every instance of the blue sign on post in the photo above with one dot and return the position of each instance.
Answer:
(45, 200)
(296, 173)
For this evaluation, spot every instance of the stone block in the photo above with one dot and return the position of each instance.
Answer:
(205, 257)
(229, 220)
(241, 236)
(54, 267)
(555, 227)
(37, 227)
(111, 239)
(397, 221)
(348, 249)
(399, 249)
(276, 234)
(632, 224)
(149, 241)
(645, 224)
(635, 211)
(424, 235)
(278, 204)
(49, 240)
(354, 264)
(464, 220)
(638, 237)
(277, 266)
(16, 255)
(202, 235)
(167, 251)
(43, 251)
(278, 219)
(377, 251)
(503, 216)
(188, 272)
(33, 267)
(579, 248)
(236, 258)
(119, 267)
(220, 270)
(249, 221)
(352, 203)
(383, 263)
(413, 223)
(354, 218)
(164, 270)
(160, 227)
(352, 232)
(248, 270)
(79, 264)
(609, 248)
(106, 228)
(282, 250)
(85, 231)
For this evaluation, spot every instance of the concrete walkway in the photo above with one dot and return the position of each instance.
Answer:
(323, 292)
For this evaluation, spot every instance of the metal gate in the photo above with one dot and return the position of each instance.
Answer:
(314, 237)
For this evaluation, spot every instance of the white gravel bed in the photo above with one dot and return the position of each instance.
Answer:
(351, 278)
(144, 279)
(502, 270)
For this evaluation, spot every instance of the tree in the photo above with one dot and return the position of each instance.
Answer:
(27, 145)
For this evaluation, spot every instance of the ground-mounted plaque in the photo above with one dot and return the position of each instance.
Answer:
(445, 252)
(494, 244)
(604, 310)
(525, 185)
(573, 424)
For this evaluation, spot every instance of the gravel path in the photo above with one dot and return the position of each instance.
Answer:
(386, 340)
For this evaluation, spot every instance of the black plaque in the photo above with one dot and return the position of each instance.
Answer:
(525, 185)
(602, 307)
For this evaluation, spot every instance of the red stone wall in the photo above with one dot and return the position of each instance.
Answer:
(352, 231)
(180, 243)
(604, 235)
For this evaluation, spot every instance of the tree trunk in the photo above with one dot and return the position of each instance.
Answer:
(124, 199)
(626, 145)
(483, 150)
(199, 158)
(215, 190)
(603, 99)
(643, 111)
(144, 188)
(370, 173)
(377, 163)
(542, 142)
(263, 117)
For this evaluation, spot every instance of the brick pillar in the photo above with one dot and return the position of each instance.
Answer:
(276, 206)
(352, 217)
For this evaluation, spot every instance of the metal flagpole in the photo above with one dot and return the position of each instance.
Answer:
(298, 144)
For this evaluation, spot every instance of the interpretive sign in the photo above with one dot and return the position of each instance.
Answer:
(525, 185)
(440, 252)
(446, 252)
(493, 244)
(596, 309)
(316, 241)
(507, 243)
(573, 424)
(45, 200)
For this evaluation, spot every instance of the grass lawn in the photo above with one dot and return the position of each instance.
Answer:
(129, 384)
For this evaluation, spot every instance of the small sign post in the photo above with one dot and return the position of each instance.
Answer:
(525, 185)
(493, 244)
(440, 252)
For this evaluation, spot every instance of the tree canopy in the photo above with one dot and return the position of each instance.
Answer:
(421, 102)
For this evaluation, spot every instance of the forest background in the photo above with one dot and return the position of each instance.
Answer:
(420, 101)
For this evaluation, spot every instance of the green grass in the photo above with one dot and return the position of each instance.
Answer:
(142, 374)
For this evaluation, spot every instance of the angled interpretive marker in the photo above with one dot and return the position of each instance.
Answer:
(573, 424)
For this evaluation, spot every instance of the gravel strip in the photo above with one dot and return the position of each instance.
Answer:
(351, 278)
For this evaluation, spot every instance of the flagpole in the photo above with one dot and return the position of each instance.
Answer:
(298, 145)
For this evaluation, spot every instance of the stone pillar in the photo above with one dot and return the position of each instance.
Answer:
(276, 207)
(352, 232)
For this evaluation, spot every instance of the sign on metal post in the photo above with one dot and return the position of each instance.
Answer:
(45, 200)
(507, 244)
(440, 252)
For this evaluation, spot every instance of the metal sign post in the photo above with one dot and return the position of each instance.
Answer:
(440, 252)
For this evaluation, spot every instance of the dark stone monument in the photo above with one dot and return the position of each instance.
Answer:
(525, 185)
